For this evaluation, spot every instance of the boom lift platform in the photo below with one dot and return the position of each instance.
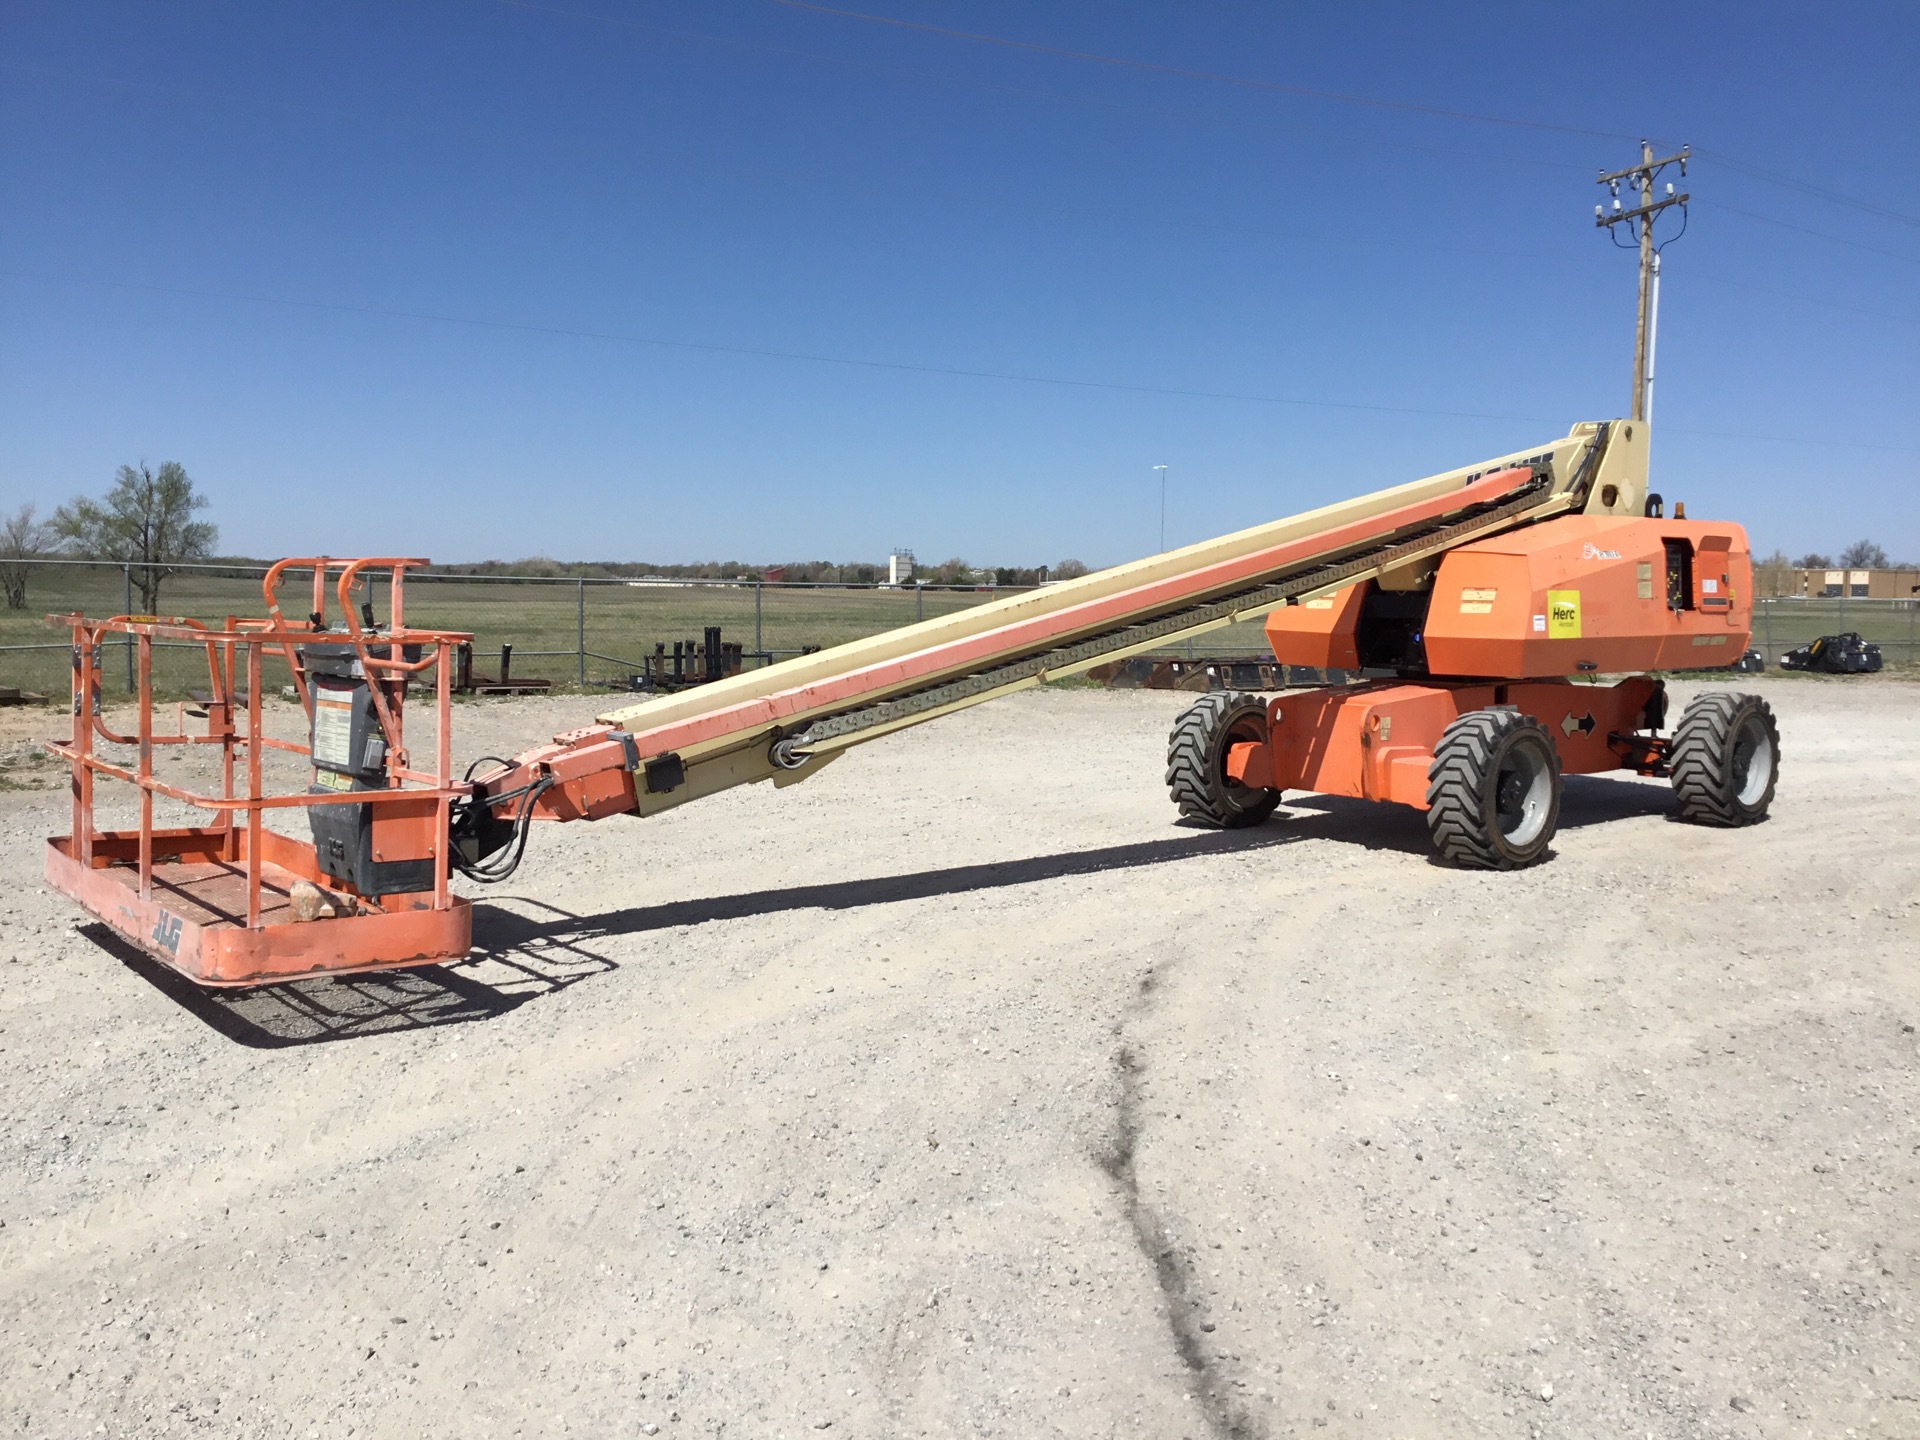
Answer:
(1488, 594)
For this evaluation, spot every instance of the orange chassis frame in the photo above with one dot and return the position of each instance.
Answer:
(215, 901)
(1376, 741)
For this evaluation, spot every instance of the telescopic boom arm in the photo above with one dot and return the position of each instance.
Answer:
(785, 721)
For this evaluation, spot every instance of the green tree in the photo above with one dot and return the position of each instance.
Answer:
(145, 522)
(22, 538)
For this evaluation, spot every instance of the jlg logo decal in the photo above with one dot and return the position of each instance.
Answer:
(166, 934)
(1563, 614)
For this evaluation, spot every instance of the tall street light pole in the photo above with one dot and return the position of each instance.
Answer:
(1163, 507)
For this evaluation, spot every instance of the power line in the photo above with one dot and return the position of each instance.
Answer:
(1793, 299)
(1377, 102)
(1789, 440)
(1015, 377)
(1183, 72)
(1001, 203)
(742, 170)
(1727, 209)
(1818, 192)
(999, 87)
(618, 337)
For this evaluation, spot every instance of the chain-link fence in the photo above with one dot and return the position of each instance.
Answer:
(597, 633)
(1794, 620)
(576, 633)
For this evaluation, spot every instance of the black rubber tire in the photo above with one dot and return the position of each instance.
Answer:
(1493, 790)
(1197, 761)
(1719, 740)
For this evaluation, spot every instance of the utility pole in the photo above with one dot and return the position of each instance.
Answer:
(1639, 223)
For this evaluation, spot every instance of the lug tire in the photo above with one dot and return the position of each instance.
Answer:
(1725, 759)
(1197, 761)
(1493, 790)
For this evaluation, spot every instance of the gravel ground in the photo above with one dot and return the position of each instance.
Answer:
(962, 1091)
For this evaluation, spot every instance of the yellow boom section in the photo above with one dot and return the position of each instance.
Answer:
(784, 720)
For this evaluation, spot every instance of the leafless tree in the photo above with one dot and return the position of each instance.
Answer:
(1863, 555)
(22, 537)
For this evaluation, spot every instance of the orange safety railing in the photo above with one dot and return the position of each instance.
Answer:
(172, 874)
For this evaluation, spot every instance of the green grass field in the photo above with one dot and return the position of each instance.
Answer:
(541, 620)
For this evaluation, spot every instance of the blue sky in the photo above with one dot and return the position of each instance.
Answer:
(395, 277)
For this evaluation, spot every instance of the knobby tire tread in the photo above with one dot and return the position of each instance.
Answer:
(1192, 760)
(1456, 786)
(1702, 758)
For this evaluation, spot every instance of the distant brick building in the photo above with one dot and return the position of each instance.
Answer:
(1777, 582)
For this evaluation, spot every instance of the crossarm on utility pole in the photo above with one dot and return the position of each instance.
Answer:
(1639, 221)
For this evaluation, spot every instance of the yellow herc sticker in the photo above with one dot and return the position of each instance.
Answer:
(1563, 614)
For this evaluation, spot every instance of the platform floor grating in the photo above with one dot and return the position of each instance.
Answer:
(211, 893)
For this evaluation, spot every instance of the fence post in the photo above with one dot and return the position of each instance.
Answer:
(919, 602)
(583, 633)
(126, 575)
(1843, 602)
(1913, 609)
(758, 586)
(1766, 626)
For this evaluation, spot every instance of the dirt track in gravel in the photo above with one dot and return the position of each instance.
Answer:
(961, 1091)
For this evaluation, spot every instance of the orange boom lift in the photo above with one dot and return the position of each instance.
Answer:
(1504, 616)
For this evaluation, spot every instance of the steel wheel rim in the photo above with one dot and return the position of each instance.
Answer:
(1522, 795)
(1752, 761)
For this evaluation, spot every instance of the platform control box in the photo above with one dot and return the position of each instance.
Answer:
(349, 752)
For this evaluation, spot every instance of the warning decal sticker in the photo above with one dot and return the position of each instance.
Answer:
(333, 733)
